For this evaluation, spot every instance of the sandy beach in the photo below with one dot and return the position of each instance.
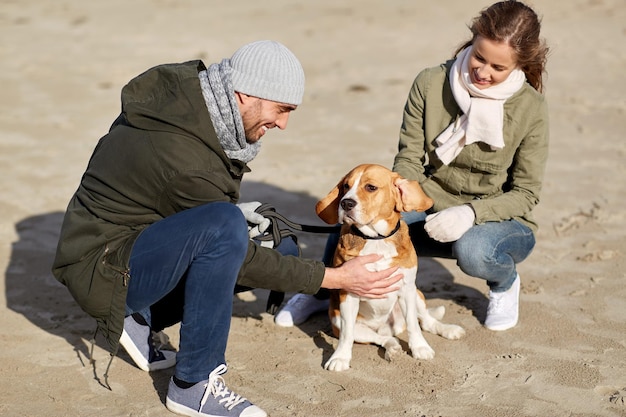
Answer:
(64, 64)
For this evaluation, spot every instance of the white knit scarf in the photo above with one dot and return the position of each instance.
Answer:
(483, 110)
(219, 96)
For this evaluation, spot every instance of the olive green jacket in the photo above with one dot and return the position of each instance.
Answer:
(161, 156)
(499, 184)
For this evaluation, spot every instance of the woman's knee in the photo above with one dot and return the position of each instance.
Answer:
(476, 251)
(493, 245)
(472, 258)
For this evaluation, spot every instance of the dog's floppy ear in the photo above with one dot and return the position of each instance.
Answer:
(328, 207)
(410, 195)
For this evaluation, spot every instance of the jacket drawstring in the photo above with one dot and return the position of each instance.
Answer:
(92, 361)
(106, 373)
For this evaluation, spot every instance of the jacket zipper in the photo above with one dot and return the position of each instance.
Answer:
(125, 272)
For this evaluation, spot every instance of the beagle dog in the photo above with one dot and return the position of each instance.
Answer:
(368, 202)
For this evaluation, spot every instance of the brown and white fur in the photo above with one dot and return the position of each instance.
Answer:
(368, 202)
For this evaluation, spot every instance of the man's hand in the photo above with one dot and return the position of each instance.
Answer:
(353, 276)
(450, 224)
(260, 223)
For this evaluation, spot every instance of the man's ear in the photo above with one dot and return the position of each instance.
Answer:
(241, 97)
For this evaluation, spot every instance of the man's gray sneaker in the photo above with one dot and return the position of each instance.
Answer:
(137, 339)
(210, 398)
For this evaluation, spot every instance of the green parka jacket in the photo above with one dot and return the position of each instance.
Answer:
(500, 185)
(161, 156)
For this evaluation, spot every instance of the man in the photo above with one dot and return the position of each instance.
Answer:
(153, 233)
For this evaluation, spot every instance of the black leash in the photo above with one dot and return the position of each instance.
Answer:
(276, 235)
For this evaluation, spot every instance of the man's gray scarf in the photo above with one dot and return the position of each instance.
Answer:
(219, 96)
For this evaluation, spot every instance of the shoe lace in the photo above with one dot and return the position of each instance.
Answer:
(160, 340)
(217, 387)
(495, 302)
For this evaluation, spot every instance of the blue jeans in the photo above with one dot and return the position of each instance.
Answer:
(489, 251)
(190, 260)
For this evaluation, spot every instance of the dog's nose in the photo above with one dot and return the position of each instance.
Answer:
(348, 204)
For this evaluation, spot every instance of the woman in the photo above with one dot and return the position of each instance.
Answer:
(475, 136)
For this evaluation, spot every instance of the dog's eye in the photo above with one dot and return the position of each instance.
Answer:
(371, 188)
(346, 186)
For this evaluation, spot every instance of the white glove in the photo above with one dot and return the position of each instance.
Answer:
(450, 224)
(260, 223)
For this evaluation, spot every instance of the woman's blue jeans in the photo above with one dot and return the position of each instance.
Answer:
(489, 251)
(185, 267)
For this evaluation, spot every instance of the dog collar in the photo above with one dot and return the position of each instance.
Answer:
(359, 233)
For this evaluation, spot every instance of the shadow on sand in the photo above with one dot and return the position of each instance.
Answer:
(33, 292)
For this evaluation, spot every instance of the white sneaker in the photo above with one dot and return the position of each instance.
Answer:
(503, 310)
(298, 309)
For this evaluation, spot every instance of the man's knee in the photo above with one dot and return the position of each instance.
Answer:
(225, 222)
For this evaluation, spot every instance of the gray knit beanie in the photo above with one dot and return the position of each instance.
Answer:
(268, 70)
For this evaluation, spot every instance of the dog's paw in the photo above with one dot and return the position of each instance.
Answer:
(392, 349)
(337, 364)
(423, 352)
(452, 331)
